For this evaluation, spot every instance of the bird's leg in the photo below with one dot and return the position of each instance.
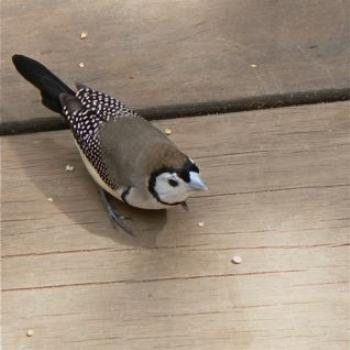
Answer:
(113, 214)
(185, 206)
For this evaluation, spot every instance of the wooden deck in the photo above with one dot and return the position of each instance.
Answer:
(279, 181)
(279, 197)
(154, 52)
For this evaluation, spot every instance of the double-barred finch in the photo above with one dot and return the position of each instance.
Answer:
(126, 155)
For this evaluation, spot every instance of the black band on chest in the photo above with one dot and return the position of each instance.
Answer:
(125, 193)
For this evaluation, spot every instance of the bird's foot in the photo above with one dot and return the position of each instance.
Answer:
(185, 206)
(117, 219)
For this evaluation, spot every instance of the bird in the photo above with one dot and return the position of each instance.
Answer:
(128, 157)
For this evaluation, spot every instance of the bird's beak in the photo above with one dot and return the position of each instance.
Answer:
(196, 182)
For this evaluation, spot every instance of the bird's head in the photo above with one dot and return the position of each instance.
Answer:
(171, 185)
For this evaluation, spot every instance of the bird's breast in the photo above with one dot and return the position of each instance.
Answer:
(132, 196)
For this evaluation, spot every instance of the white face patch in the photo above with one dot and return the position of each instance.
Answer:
(170, 188)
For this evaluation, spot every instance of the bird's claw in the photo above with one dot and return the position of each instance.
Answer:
(117, 219)
(185, 206)
(125, 218)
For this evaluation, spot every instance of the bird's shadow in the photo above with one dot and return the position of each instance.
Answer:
(76, 195)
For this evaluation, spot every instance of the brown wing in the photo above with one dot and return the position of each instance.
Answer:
(132, 148)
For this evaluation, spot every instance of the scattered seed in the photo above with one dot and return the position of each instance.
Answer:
(69, 167)
(83, 35)
(30, 332)
(168, 131)
(236, 259)
(81, 65)
(253, 65)
(50, 199)
(201, 224)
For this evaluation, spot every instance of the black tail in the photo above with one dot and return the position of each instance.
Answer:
(48, 84)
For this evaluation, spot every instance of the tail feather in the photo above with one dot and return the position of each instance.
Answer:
(49, 85)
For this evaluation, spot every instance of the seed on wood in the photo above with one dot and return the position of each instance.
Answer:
(30, 332)
(236, 259)
(69, 167)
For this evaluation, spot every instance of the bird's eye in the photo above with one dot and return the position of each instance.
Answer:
(173, 183)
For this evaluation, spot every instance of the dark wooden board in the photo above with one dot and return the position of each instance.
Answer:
(153, 52)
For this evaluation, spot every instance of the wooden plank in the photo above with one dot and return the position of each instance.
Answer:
(279, 198)
(245, 158)
(254, 311)
(172, 52)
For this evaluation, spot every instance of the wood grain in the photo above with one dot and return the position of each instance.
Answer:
(279, 197)
(151, 52)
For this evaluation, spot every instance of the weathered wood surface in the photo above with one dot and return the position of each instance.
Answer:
(279, 198)
(170, 52)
